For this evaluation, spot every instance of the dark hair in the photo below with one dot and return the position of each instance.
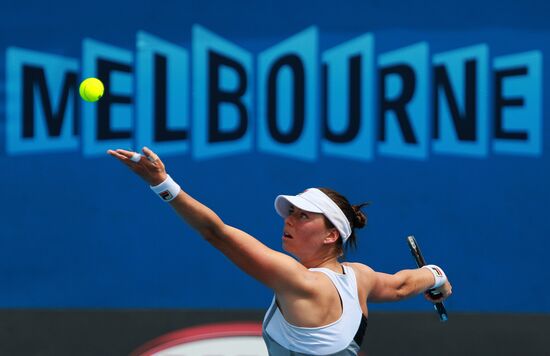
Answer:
(357, 219)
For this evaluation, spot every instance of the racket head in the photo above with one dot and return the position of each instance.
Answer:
(415, 251)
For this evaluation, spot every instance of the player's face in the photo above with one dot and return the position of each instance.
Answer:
(304, 232)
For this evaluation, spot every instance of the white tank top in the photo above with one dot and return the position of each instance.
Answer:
(322, 340)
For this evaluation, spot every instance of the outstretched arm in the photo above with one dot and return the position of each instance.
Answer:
(276, 270)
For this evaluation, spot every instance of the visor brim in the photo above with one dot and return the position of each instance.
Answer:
(284, 202)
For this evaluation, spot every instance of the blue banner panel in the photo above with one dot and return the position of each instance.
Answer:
(349, 80)
(288, 97)
(518, 105)
(41, 102)
(109, 122)
(461, 122)
(222, 82)
(405, 102)
(162, 95)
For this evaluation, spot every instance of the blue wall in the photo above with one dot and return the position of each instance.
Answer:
(78, 230)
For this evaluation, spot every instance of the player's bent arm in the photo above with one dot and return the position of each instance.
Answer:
(403, 284)
(276, 270)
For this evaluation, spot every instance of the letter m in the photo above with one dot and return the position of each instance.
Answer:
(41, 102)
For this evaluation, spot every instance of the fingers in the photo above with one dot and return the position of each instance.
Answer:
(131, 158)
(121, 156)
(442, 294)
(125, 155)
(430, 299)
(151, 156)
(147, 165)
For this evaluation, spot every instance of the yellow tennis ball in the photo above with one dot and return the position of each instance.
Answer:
(91, 89)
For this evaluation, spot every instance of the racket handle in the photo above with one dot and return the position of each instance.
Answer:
(440, 308)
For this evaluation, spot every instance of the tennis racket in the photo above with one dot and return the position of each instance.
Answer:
(420, 261)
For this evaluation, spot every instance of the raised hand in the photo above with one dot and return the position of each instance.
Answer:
(147, 165)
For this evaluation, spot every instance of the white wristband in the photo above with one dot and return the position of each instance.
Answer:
(167, 190)
(439, 275)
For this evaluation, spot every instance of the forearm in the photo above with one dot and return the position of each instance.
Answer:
(152, 170)
(414, 282)
(198, 215)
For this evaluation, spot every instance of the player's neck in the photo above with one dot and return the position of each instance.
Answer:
(330, 262)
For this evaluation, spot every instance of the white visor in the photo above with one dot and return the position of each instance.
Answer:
(315, 201)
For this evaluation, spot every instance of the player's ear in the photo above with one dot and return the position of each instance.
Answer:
(332, 236)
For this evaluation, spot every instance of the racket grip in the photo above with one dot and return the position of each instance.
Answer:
(440, 308)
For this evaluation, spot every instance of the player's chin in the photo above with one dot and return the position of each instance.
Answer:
(287, 247)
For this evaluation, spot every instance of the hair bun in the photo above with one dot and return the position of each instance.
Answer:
(360, 218)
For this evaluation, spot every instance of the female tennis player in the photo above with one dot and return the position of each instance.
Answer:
(320, 303)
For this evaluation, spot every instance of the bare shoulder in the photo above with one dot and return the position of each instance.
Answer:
(365, 274)
(359, 267)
